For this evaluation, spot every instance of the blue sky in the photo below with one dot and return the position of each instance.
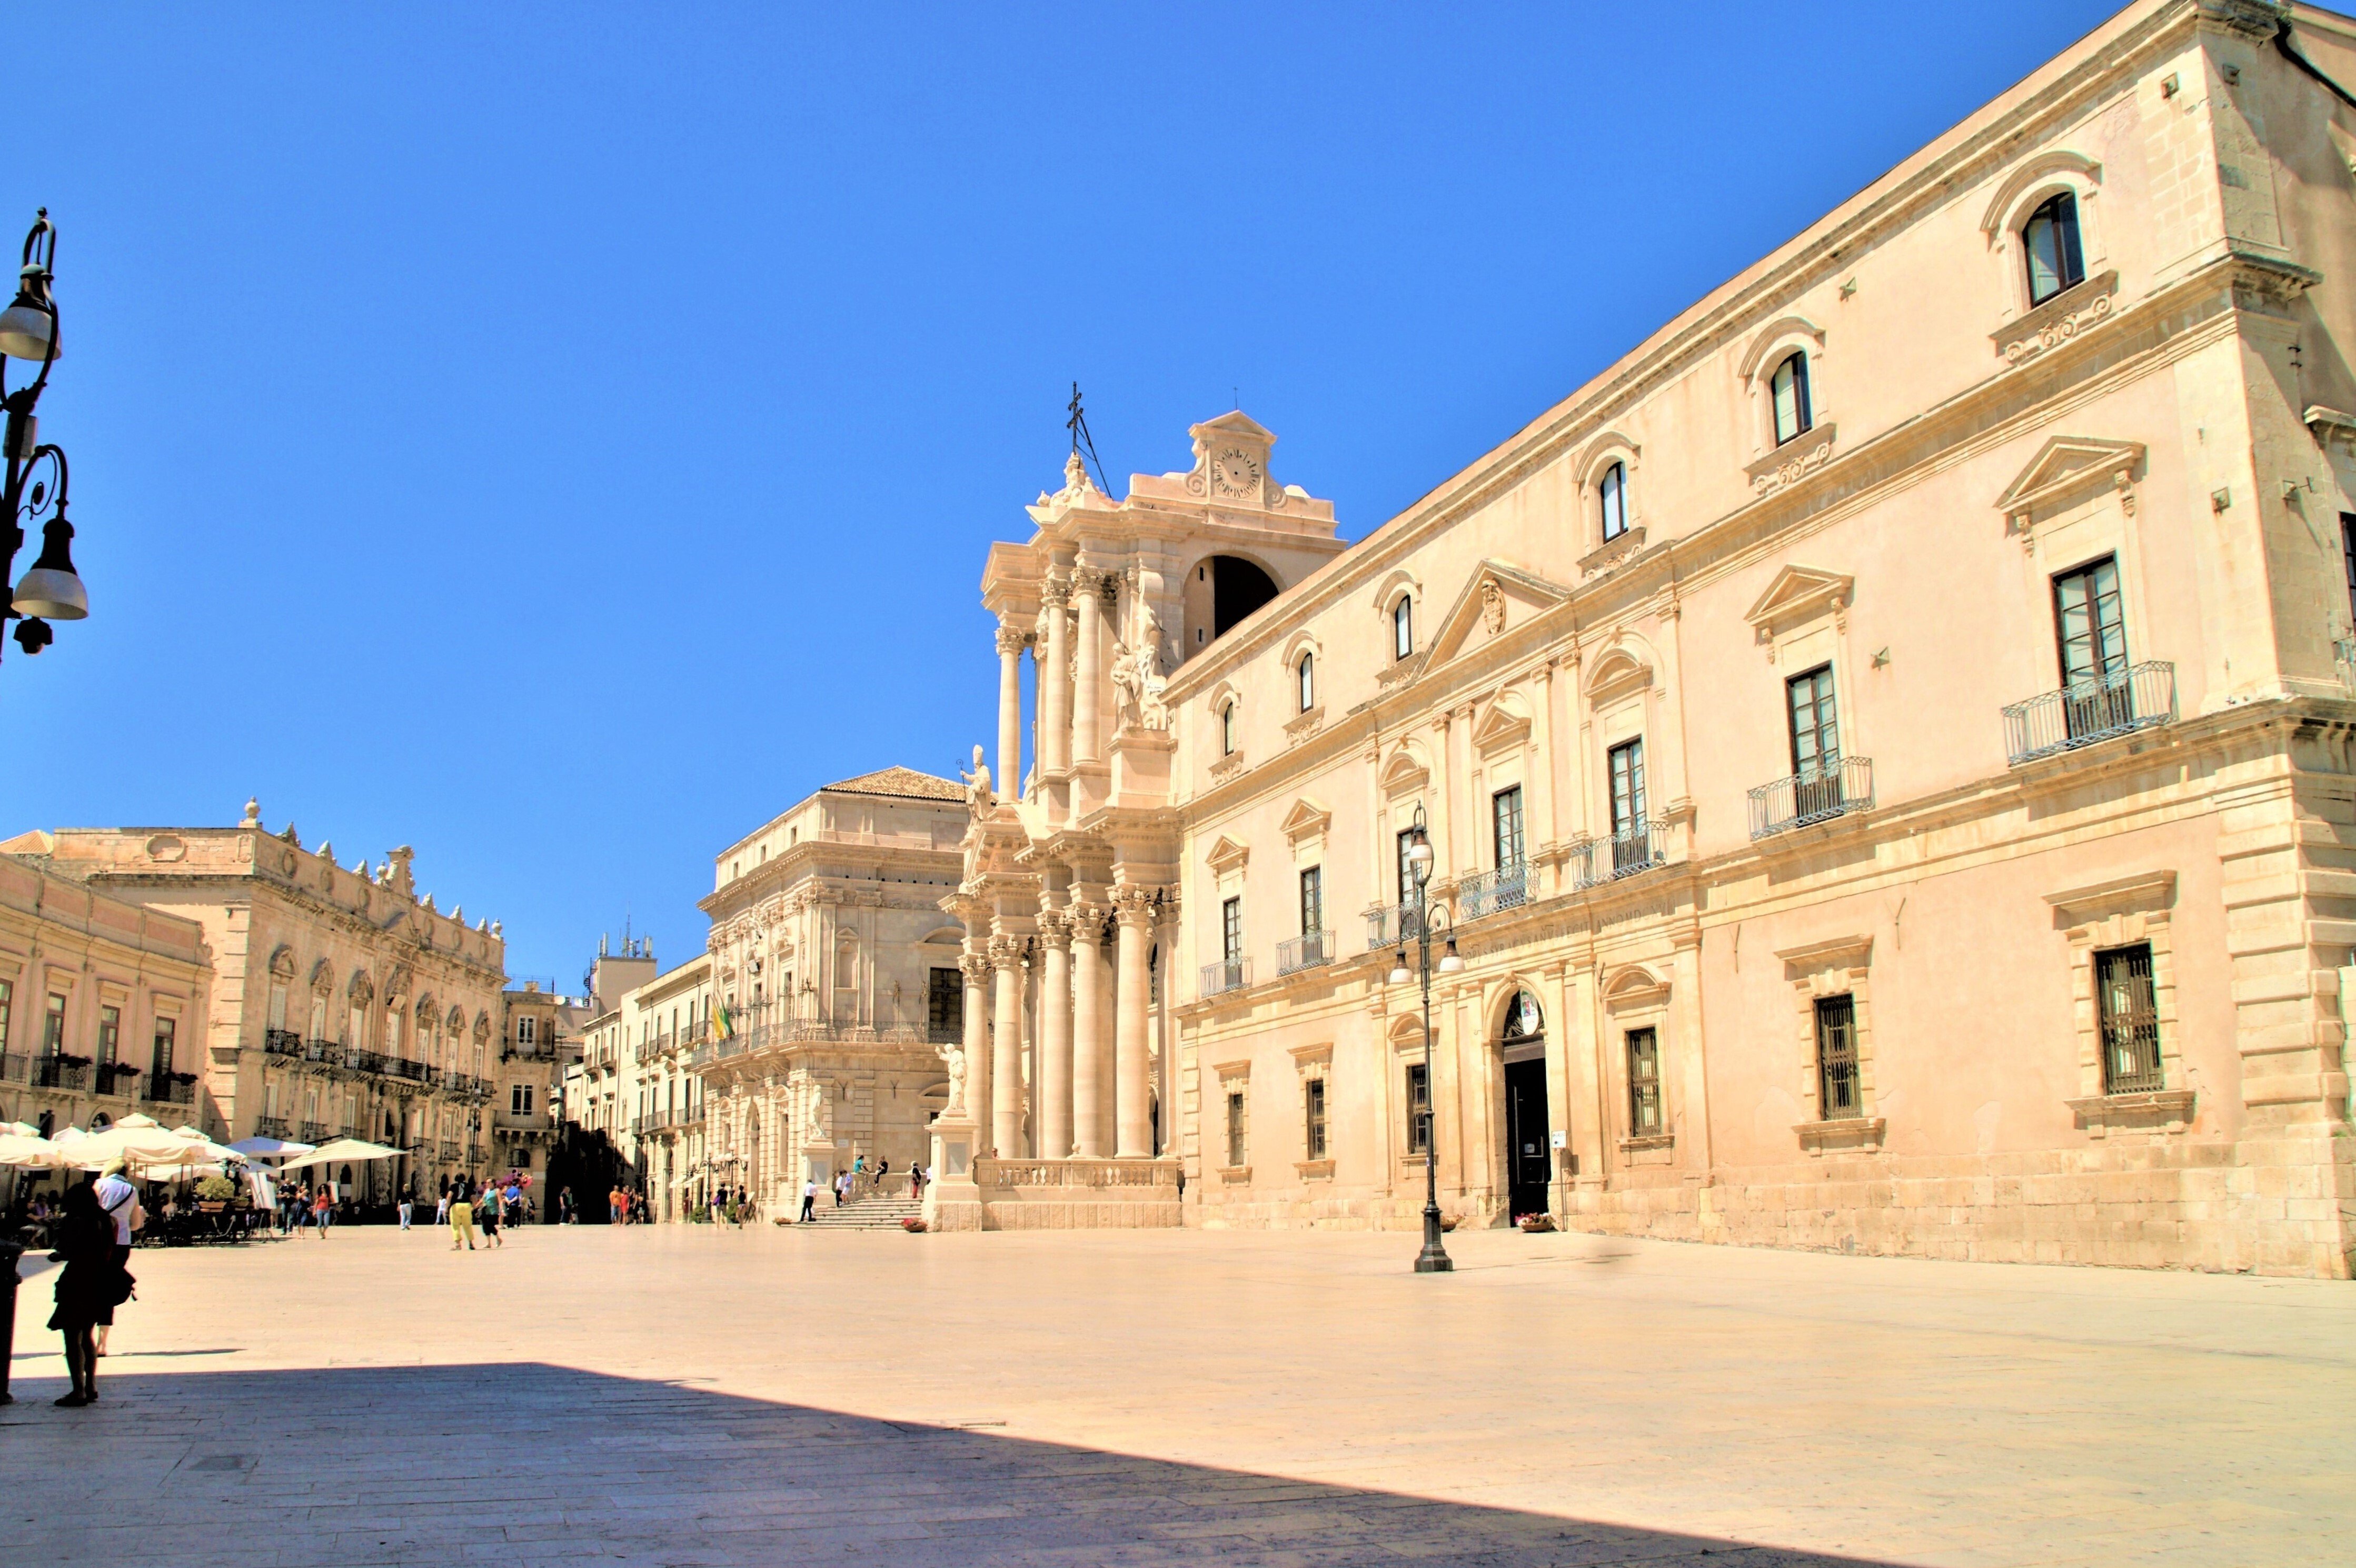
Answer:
(561, 437)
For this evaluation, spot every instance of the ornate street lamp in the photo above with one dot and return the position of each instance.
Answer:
(1434, 1258)
(34, 493)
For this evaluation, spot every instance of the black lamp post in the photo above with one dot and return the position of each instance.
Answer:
(1434, 1258)
(34, 493)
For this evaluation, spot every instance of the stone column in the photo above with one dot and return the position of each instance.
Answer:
(1132, 1095)
(1088, 698)
(1009, 712)
(1055, 681)
(1006, 1052)
(1091, 1043)
(976, 1042)
(1053, 1117)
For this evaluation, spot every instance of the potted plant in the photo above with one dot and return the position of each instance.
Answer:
(912, 1225)
(213, 1194)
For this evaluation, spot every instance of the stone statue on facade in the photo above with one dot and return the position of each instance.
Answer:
(980, 799)
(1137, 673)
(953, 1054)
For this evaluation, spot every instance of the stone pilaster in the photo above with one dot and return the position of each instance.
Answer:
(1006, 1052)
(1053, 1116)
(1011, 641)
(1132, 1101)
(1092, 1055)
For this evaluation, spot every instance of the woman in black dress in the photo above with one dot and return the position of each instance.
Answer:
(88, 1289)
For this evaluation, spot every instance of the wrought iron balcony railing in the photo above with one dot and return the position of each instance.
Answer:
(1229, 975)
(56, 1072)
(159, 1089)
(1507, 887)
(15, 1069)
(316, 1132)
(1815, 794)
(269, 1127)
(1624, 854)
(282, 1042)
(2140, 697)
(1304, 951)
(115, 1078)
(1391, 925)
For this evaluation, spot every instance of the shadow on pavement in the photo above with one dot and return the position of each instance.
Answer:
(524, 1463)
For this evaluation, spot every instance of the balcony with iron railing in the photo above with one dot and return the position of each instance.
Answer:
(118, 1079)
(1227, 974)
(1812, 795)
(1492, 892)
(316, 1132)
(2141, 697)
(15, 1069)
(72, 1072)
(448, 1149)
(1308, 951)
(1627, 853)
(282, 1042)
(1392, 925)
(322, 1052)
(168, 1089)
(271, 1127)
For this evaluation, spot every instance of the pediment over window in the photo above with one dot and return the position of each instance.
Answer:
(1306, 820)
(1404, 771)
(1633, 985)
(281, 962)
(1498, 597)
(1617, 670)
(1503, 724)
(2067, 468)
(1799, 594)
(1227, 855)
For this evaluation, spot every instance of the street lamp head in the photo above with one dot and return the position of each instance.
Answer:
(1418, 854)
(28, 327)
(1449, 963)
(51, 589)
(1399, 976)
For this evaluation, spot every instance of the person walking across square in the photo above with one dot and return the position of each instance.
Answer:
(809, 1198)
(461, 1220)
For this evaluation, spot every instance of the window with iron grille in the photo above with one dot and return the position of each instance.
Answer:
(1643, 1083)
(1234, 1126)
(2129, 1010)
(1315, 1141)
(1836, 1088)
(1506, 826)
(1313, 901)
(1418, 1109)
(945, 1000)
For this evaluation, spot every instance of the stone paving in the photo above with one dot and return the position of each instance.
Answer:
(677, 1396)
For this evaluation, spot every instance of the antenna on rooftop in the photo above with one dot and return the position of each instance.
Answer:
(1081, 440)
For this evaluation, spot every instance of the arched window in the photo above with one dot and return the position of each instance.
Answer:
(1524, 1021)
(2049, 242)
(1789, 388)
(1227, 729)
(1403, 626)
(1611, 492)
(1306, 671)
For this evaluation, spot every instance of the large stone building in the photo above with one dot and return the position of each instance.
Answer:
(1885, 742)
(103, 1006)
(343, 1002)
(539, 1038)
(836, 979)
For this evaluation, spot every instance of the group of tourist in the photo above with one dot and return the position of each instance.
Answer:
(466, 1208)
(854, 1177)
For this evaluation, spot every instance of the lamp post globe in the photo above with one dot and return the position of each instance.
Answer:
(33, 485)
(1434, 1258)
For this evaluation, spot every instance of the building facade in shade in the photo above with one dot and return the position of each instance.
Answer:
(834, 982)
(1885, 740)
(344, 1003)
(539, 1038)
(103, 1006)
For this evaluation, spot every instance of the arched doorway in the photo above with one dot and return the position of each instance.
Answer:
(1219, 592)
(1528, 1137)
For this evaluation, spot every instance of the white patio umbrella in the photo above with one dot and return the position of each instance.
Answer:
(137, 1119)
(271, 1148)
(193, 1149)
(92, 1151)
(19, 1130)
(35, 1152)
(339, 1151)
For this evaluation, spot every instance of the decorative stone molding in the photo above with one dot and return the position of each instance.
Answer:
(1227, 767)
(2058, 320)
(1006, 951)
(1798, 595)
(1841, 967)
(2122, 912)
(1792, 461)
(1133, 906)
(1502, 727)
(2160, 1110)
(1840, 1133)
(1055, 928)
(2069, 468)
(2002, 214)
(1227, 855)
(1312, 1060)
(2327, 425)
(1305, 822)
(1314, 1169)
(1012, 639)
(1612, 551)
(1301, 726)
(1236, 1174)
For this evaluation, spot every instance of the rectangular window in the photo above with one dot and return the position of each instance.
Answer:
(2129, 1013)
(2348, 555)
(53, 1027)
(160, 1066)
(1312, 901)
(1231, 930)
(527, 1029)
(277, 1005)
(1418, 1109)
(1643, 1083)
(1836, 1088)
(7, 1010)
(519, 1100)
(1625, 764)
(1405, 870)
(1315, 1141)
(945, 1003)
(1815, 722)
(1235, 1128)
(110, 1037)
(1789, 389)
(2090, 627)
(1506, 826)
(1403, 627)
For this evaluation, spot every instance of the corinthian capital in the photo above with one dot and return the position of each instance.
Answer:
(1055, 928)
(1012, 639)
(1056, 590)
(1088, 921)
(1006, 951)
(1133, 907)
(976, 968)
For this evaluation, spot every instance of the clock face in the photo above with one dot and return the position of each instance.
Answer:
(1237, 470)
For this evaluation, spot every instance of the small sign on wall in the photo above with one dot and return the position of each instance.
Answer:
(1561, 1138)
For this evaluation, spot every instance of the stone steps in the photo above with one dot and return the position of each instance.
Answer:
(867, 1213)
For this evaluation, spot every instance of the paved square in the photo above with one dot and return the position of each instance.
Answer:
(673, 1395)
